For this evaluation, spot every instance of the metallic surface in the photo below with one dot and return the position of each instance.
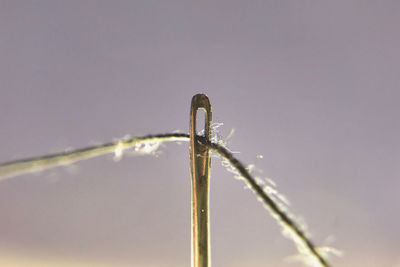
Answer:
(200, 166)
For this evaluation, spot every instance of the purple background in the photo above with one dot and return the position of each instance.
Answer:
(313, 86)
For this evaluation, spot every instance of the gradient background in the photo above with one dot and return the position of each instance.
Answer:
(313, 86)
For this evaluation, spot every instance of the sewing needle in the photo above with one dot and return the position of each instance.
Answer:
(200, 167)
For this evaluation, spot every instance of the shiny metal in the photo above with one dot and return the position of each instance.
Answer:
(200, 168)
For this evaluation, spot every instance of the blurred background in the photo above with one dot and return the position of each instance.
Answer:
(312, 86)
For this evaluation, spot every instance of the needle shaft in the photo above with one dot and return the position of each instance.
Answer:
(200, 167)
